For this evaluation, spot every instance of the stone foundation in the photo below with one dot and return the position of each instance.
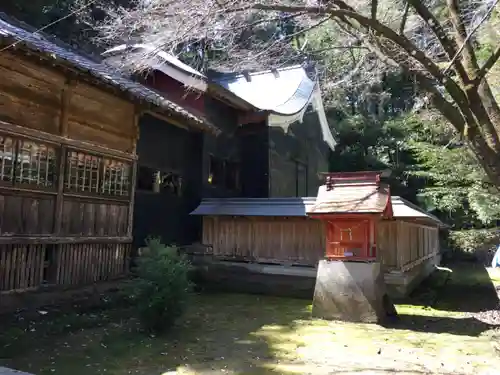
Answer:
(295, 282)
(351, 291)
(401, 284)
(291, 281)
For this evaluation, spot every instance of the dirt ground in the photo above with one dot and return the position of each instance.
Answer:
(451, 325)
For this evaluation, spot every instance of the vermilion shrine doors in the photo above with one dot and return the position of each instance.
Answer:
(350, 239)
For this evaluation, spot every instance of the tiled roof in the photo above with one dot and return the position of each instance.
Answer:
(35, 41)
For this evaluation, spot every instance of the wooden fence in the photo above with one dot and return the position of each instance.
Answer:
(401, 245)
(404, 245)
(28, 267)
(265, 239)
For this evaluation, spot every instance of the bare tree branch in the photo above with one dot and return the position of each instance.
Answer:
(359, 40)
(448, 45)
(374, 9)
(404, 18)
(463, 37)
(495, 56)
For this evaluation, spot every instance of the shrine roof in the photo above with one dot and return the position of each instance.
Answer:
(353, 193)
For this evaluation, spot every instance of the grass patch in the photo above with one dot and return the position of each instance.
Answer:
(245, 334)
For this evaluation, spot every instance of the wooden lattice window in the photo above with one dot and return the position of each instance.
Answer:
(7, 155)
(26, 162)
(83, 172)
(35, 164)
(116, 178)
(88, 173)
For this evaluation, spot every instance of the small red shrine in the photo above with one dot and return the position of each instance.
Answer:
(351, 205)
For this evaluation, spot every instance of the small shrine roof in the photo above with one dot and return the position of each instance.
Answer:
(352, 199)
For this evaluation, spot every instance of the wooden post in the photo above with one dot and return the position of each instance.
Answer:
(130, 224)
(66, 94)
(399, 244)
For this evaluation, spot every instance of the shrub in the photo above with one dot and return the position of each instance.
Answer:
(474, 244)
(161, 289)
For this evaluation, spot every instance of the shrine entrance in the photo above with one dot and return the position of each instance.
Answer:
(348, 239)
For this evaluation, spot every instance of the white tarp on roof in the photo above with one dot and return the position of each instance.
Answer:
(286, 93)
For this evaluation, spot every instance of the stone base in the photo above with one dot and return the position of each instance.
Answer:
(401, 284)
(351, 291)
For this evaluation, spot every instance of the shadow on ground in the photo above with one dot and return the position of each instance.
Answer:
(245, 334)
(218, 335)
(458, 287)
(439, 324)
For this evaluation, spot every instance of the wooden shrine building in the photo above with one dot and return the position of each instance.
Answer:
(286, 237)
(68, 135)
(272, 141)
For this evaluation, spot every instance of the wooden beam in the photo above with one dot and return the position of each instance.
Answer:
(130, 224)
(409, 266)
(252, 117)
(5, 240)
(58, 208)
(66, 94)
(93, 197)
(16, 130)
(167, 119)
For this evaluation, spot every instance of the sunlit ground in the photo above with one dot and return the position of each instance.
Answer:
(245, 334)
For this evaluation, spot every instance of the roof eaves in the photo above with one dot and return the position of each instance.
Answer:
(66, 57)
(419, 209)
(226, 95)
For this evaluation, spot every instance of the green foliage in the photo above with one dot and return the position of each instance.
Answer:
(455, 183)
(162, 288)
(475, 239)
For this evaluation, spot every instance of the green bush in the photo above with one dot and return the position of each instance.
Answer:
(475, 239)
(161, 289)
(474, 244)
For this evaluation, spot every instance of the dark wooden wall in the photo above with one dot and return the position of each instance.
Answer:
(169, 149)
(253, 140)
(223, 147)
(66, 170)
(296, 157)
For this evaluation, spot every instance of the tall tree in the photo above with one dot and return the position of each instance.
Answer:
(434, 41)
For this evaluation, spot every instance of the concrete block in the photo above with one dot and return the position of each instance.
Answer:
(351, 291)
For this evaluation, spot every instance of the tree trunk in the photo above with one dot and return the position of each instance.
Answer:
(487, 157)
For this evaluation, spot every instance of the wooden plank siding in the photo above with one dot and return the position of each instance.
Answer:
(67, 159)
(404, 245)
(268, 240)
(401, 245)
